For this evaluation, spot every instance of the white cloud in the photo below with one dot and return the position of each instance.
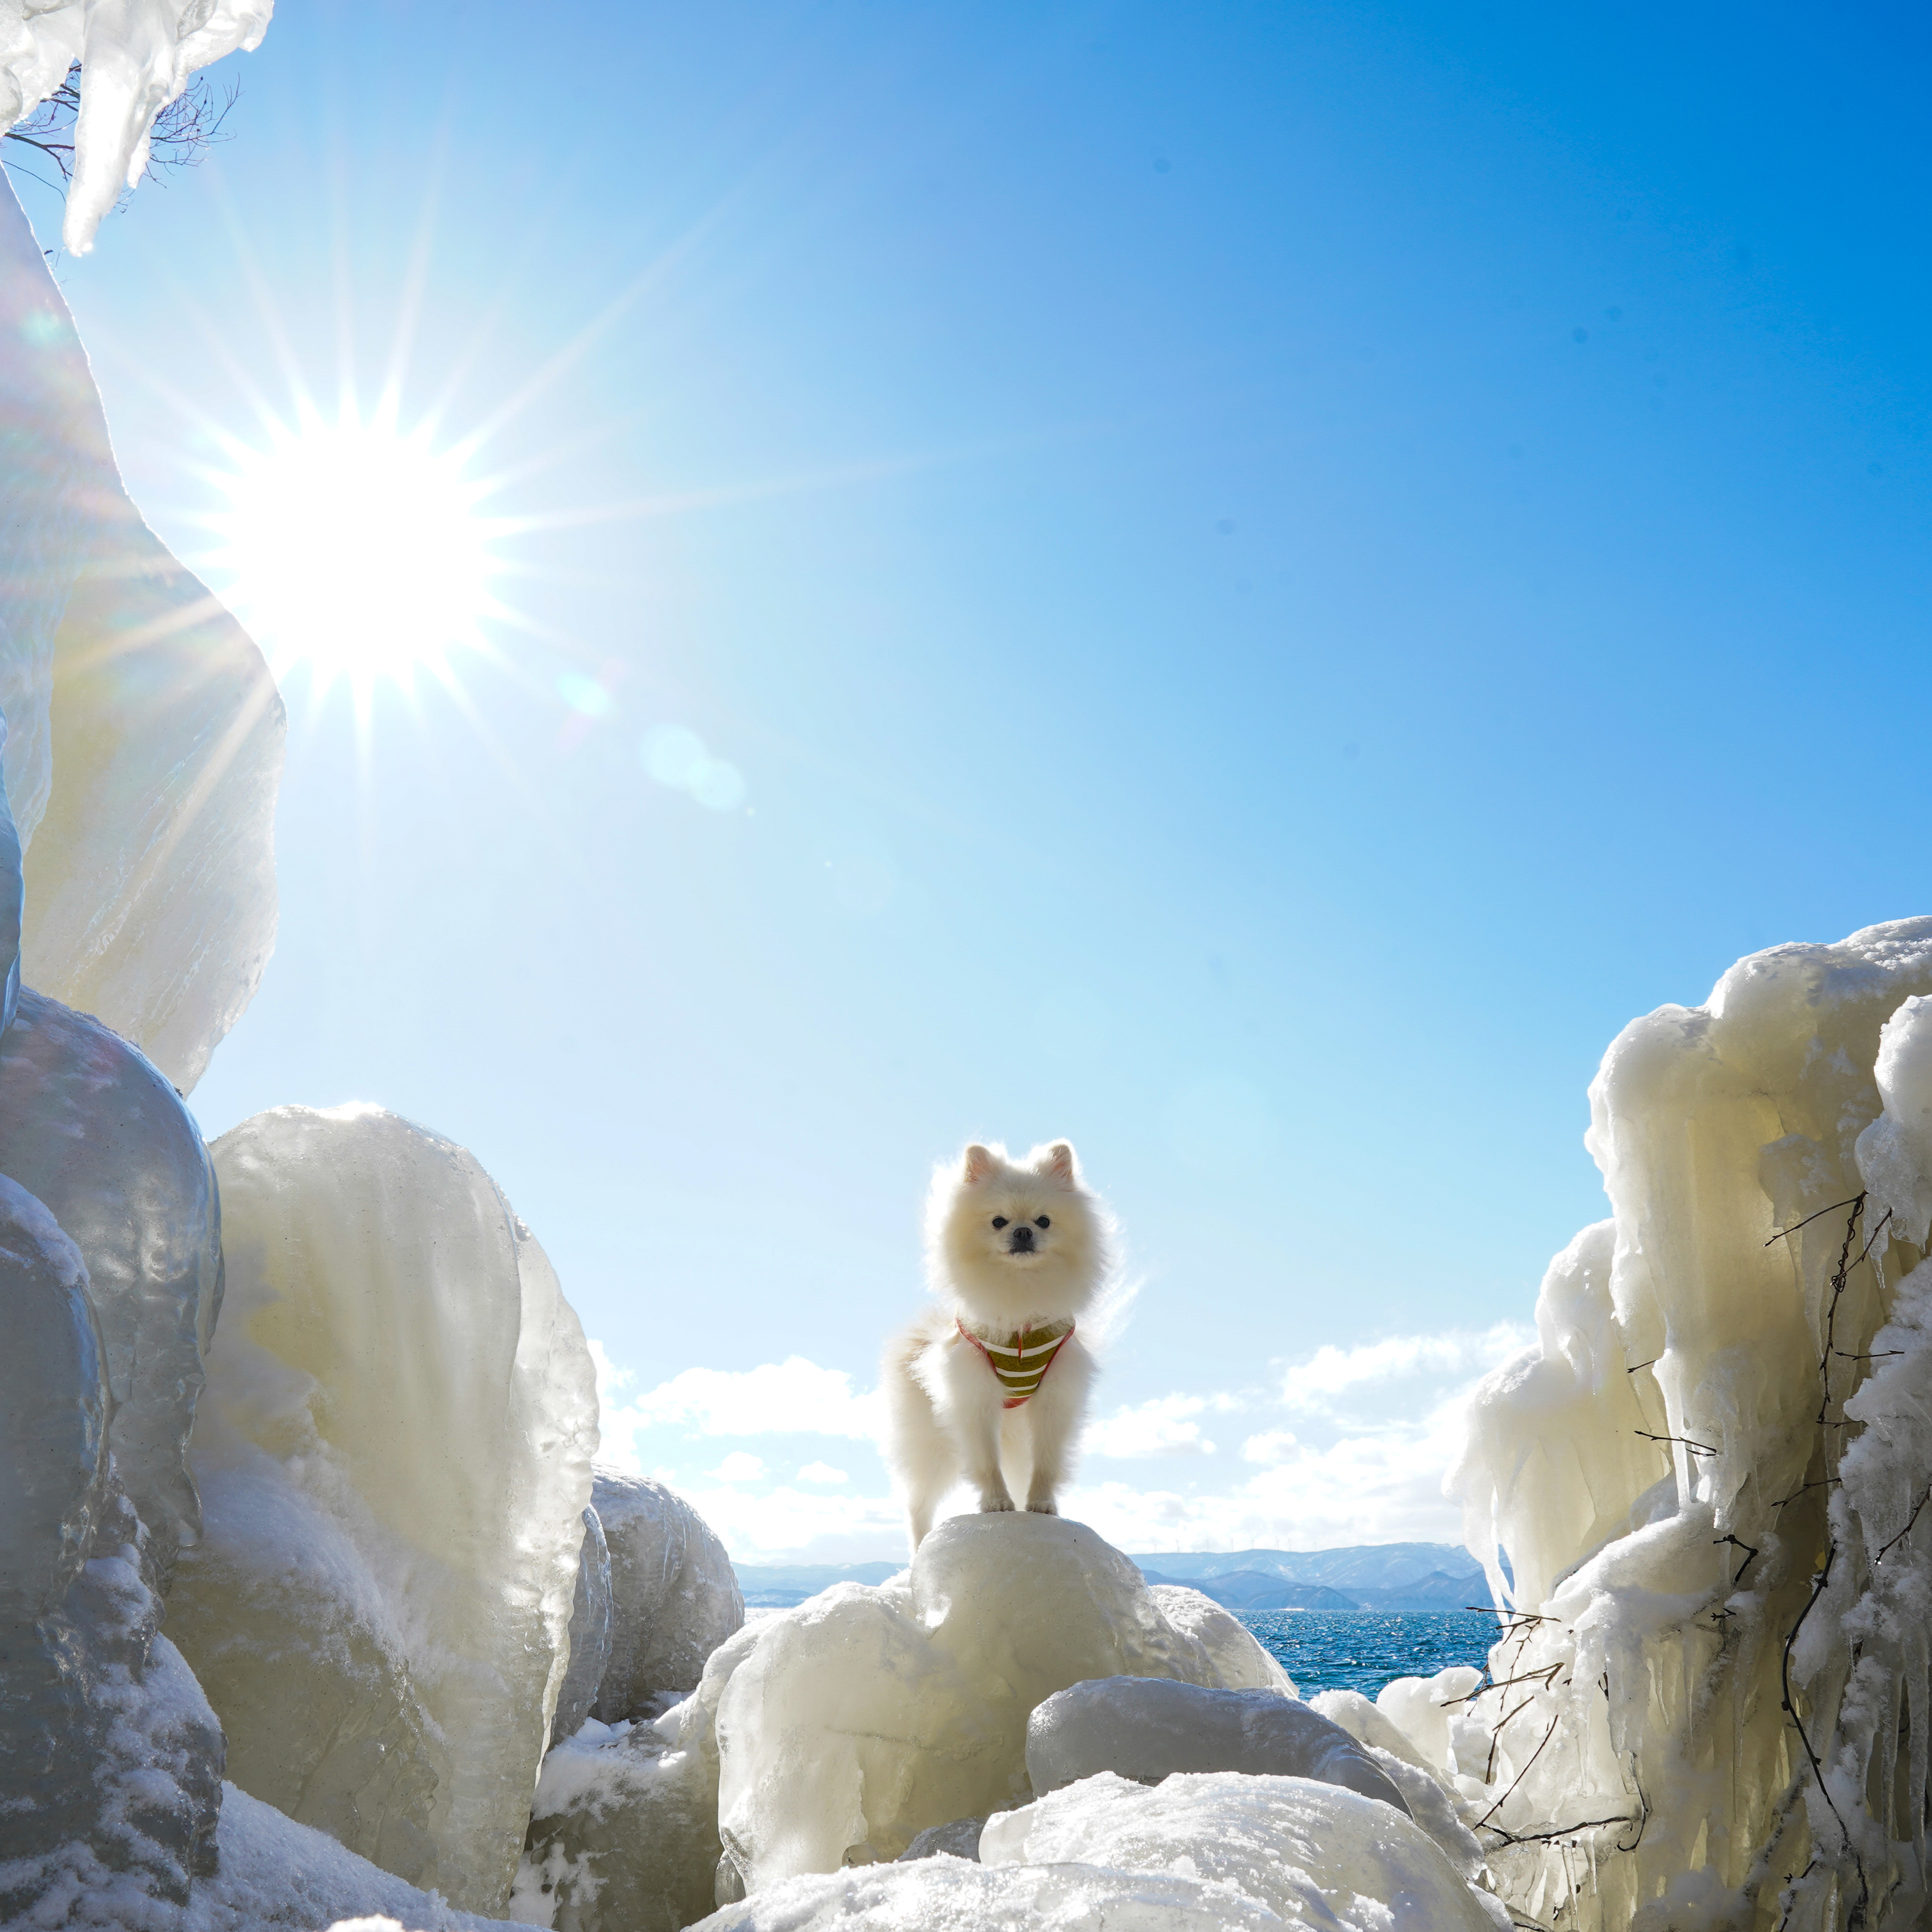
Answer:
(1162, 1425)
(794, 1397)
(1321, 1381)
(1272, 1445)
(1374, 1430)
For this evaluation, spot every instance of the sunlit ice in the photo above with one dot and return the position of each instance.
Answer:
(354, 550)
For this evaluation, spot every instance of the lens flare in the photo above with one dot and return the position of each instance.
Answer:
(350, 549)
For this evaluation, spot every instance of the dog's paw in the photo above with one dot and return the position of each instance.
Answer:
(993, 1505)
(1042, 1509)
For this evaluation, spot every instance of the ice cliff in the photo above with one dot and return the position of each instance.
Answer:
(1701, 1493)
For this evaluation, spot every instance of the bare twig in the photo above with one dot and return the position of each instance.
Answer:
(1750, 1554)
(1854, 1200)
(1520, 1775)
(1696, 1448)
(1651, 1364)
(1838, 1278)
(1818, 1583)
(1906, 1532)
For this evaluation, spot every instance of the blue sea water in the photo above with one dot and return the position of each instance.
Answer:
(1361, 1650)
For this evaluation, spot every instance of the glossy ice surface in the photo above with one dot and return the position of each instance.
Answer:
(90, 1127)
(401, 1414)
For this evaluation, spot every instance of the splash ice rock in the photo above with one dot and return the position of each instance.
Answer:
(91, 1127)
(1708, 1478)
(396, 1457)
(674, 1596)
(144, 735)
(1313, 1854)
(589, 1631)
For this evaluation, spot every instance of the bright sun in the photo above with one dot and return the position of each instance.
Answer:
(350, 549)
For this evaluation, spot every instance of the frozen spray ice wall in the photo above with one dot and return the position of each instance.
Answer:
(1707, 1475)
(394, 1449)
(144, 733)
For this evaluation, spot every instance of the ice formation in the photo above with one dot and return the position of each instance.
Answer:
(92, 1129)
(1708, 1478)
(589, 1631)
(54, 1399)
(144, 733)
(1148, 1728)
(12, 901)
(136, 56)
(110, 1758)
(866, 1715)
(1312, 1853)
(394, 1456)
(674, 1596)
(851, 1723)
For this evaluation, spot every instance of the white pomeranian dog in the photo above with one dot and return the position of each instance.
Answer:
(995, 1376)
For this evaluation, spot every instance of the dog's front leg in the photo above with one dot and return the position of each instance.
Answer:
(1055, 1413)
(972, 1414)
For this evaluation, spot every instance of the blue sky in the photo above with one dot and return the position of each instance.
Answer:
(1270, 575)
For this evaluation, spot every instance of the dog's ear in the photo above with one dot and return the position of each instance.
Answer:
(1056, 1163)
(979, 1163)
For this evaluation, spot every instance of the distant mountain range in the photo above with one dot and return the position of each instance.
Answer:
(1364, 1576)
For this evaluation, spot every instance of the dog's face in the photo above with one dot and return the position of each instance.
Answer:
(1021, 1237)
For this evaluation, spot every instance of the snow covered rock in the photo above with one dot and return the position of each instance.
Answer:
(1432, 1801)
(135, 58)
(589, 1631)
(144, 733)
(674, 1596)
(1148, 1728)
(1311, 1854)
(269, 1871)
(865, 1716)
(624, 1828)
(1238, 1662)
(110, 1758)
(395, 1453)
(92, 1130)
(1708, 1477)
(54, 1407)
(942, 1894)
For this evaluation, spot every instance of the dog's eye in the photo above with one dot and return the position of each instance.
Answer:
(999, 1220)
(1042, 1222)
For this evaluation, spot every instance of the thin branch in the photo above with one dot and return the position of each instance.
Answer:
(1496, 1737)
(1818, 1584)
(1749, 1556)
(1651, 1364)
(1906, 1532)
(1542, 1677)
(1696, 1448)
(1520, 1775)
(1850, 1201)
(1831, 1310)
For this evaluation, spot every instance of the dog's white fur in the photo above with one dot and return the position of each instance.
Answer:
(944, 1418)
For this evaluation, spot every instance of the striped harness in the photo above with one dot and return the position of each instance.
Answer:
(1020, 1363)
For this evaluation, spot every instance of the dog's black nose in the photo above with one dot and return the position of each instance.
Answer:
(1022, 1237)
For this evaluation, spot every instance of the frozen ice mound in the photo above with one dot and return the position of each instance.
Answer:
(144, 732)
(1239, 1663)
(1310, 1853)
(589, 1631)
(1148, 1728)
(674, 1596)
(624, 1828)
(395, 1455)
(863, 1717)
(135, 58)
(270, 1871)
(110, 1758)
(942, 1894)
(1708, 1476)
(93, 1129)
(55, 1404)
